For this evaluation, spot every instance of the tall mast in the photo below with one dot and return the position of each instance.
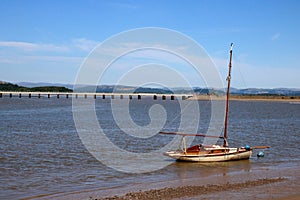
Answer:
(227, 98)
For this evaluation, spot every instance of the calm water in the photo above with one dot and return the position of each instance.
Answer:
(41, 152)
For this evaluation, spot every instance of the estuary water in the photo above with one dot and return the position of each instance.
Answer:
(41, 152)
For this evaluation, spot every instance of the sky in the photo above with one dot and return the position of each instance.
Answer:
(49, 40)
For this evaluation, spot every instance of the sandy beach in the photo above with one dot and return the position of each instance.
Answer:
(191, 191)
(264, 184)
(248, 98)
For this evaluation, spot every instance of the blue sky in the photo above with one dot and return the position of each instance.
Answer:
(47, 41)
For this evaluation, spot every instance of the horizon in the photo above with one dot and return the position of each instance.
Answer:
(62, 84)
(38, 46)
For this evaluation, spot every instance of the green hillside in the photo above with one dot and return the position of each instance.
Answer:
(5, 86)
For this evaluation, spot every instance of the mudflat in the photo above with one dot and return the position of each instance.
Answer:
(248, 98)
(263, 184)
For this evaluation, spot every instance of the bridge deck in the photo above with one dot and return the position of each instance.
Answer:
(94, 95)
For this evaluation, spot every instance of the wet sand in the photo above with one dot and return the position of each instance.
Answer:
(190, 191)
(264, 184)
(248, 98)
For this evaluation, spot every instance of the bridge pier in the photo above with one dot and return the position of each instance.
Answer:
(111, 96)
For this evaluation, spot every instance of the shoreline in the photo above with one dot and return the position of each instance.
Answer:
(295, 99)
(189, 191)
(261, 184)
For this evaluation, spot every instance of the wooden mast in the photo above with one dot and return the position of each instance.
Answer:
(227, 98)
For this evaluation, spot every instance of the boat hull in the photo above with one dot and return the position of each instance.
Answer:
(181, 156)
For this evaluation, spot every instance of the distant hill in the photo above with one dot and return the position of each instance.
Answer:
(122, 89)
(27, 86)
(266, 92)
(5, 86)
(43, 84)
(195, 90)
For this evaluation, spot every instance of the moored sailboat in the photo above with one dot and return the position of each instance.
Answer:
(212, 153)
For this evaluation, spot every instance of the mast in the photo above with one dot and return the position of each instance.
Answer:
(227, 97)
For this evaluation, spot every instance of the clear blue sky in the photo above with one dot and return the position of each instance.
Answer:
(47, 40)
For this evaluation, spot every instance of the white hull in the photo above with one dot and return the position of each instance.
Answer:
(231, 154)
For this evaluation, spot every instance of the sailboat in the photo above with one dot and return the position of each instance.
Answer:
(212, 153)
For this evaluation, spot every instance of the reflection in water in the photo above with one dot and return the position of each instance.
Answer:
(189, 170)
